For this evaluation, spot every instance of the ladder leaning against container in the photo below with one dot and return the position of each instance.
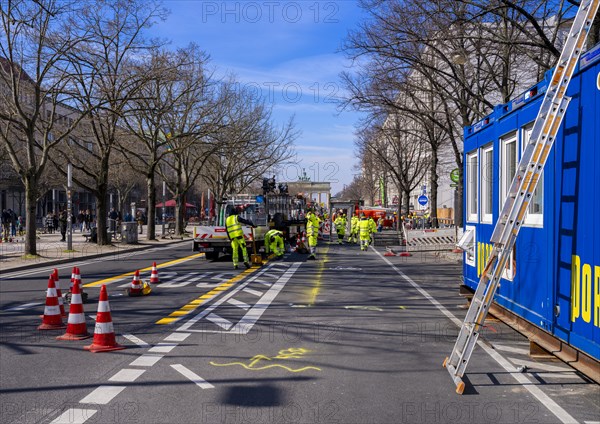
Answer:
(545, 129)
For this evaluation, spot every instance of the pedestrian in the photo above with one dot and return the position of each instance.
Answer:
(21, 225)
(89, 218)
(13, 223)
(364, 232)
(312, 232)
(5, 225)
(81, 220)
(274, 243)
(380, 225)
(236, 235)
(62, 223)
(140, 221)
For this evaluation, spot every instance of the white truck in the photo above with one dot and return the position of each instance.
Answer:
(279, 211)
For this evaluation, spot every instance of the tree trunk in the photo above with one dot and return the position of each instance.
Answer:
(30, 209)
(433, 181)
(179, 208)
(101, 214)
(151, 213)
(406, 202)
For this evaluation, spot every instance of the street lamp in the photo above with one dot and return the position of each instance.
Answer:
(69, 207)
(164, 192)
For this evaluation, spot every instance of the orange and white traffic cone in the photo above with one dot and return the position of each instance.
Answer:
(61, 303)
(136, 285)
(52, 319)
(76, 327)
(104, 333)
(154, 274)
(73, 273)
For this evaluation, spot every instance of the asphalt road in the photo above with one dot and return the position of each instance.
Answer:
(350, 338)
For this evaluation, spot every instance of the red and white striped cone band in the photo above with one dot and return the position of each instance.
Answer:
(104, 334)
(154, 275)
(52, 319)
(61, 302)
(73, 274)
(76, 326)
(136, 284)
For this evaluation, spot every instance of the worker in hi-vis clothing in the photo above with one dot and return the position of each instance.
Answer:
(373, 227)
(236, 235)
(364, 231)
(312, 232)
(274, 243)
(340, 227)
(353, 229)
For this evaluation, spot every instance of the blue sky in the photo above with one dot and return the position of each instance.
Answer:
(289, 50)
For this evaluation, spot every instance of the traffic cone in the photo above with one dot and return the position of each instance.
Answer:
(389, 252)
(76, 327)
(136, 285)
(77, 278)
(154, 274)
(73, 273)
(104, 333)
(61, 303)
(52, 319)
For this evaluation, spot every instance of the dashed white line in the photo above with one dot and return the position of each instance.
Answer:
(253, 292)
(74, 416)
(126, 375)
(220, 321)
(239, 304)
(177, 337)
(136, 340)
(192, 376)
(146, 360)
(264, 283)
(163, 347)
(102, 395)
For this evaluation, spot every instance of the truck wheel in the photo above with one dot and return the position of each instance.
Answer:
(212, 256)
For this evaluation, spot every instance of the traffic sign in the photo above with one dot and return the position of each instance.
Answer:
(455, 175)
(422, 200)
(260, 199)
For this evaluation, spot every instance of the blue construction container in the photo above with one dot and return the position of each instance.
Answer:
(553, 278)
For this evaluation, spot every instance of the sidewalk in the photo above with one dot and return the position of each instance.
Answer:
(53, 251)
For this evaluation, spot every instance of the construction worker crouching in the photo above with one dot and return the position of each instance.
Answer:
(236, 235)
(364, 232)
(312, 231)
(274, 243)
(340, 227)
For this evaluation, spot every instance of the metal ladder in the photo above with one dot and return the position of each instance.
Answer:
(525, 181)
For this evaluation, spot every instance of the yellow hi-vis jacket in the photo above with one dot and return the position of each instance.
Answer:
(364, 228)
(234, 228)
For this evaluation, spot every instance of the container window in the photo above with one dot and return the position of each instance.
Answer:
(535, 213)
(467, 243)
(472, 186)
(511, 266)
(508, 164)
(487, 182)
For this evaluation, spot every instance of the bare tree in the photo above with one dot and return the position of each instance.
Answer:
(107, 81)
(34, 116)
(176, 109)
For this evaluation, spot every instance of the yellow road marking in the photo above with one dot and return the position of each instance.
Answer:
(196, 303)
(128, 274)
(317, 287)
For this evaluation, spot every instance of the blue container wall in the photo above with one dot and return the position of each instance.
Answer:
(556, 280)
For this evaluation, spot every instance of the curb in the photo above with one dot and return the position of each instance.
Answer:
(43, 263)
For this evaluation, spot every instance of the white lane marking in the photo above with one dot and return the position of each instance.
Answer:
(238, 303)
(254, 314)
(126, 375)
(192, 376)
(592, 422)
(542, 397)
(163, 347)
(518, 350)
(135, 340)
(185, 279)
(253, 292)
(220, 321)
(23, 307)
(177, 337)
(92, 317)
(103, 394)
(535, 366)
(264, 283)
(74, 416)
(268, 274)
(146, 360)
(225, 298)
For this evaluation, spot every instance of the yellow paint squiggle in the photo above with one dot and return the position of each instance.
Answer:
(292, 353)
(265, 367)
